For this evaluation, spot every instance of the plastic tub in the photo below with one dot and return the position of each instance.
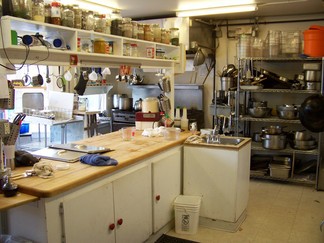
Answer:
(24, 128)
(171, 133)
(313, 41)
(186, 210)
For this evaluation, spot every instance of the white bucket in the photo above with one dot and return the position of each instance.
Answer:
(186, 210)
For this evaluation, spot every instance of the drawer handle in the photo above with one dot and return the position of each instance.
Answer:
(158, 197)
(120, 221)
(112, 226)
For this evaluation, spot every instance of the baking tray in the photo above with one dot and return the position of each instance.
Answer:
(58, 154)
(81, 148)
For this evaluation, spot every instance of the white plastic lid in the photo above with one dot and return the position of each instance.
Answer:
(188, 200)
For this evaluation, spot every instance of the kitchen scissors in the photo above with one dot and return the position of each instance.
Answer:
(19, 118)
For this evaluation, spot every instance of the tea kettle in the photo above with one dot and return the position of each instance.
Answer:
(138, 105)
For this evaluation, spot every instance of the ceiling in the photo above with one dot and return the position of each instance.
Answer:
(143, 9)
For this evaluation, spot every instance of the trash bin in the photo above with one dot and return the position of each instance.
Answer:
(186, 210)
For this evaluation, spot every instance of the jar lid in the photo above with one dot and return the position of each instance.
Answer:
(55, 4)
(134, 45)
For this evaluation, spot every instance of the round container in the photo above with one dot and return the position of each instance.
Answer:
(312, 76)
(133, 50)
(226, 83)
(174, 36)
(148, 32)
(38, 10)
(171, 133)
(157, 32)
(127, 27)
(135, 29)
(259, 112)
(68, 16)
(165, 36)
(77, 16)
(150, 104)
(47, 13)
(140, 31)
(22, 9)
(99, 46)
(313, 42)
(125, 103)
(56, 13)
(116, 100)
(271, 141)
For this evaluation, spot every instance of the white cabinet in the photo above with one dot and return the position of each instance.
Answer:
(221, 177)
(110, 210)
(166, 176)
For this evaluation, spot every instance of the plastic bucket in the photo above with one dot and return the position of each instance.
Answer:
(313, 42)
(186, 210)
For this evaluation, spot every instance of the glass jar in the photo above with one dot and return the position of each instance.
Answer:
(77, 16)
(174, 36)
(88, 20)
(133, 50)
(22, 8)
(140, 31)
(127, 27)
(99, 46)
(165, 36)
(126, 49)
(38, 10)
(157, 32)
(135, 29)
(107, 29)
(98, 23)
(148, 32)
(116, 23)
(56, 13)
(68, 16)
(47, 13)
(56, 17)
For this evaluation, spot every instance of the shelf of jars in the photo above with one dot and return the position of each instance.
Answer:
(84, 48)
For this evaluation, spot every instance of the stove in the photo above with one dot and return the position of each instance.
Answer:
(122, 118)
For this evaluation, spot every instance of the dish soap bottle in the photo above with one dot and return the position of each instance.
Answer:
(177, 118)
(184, 120)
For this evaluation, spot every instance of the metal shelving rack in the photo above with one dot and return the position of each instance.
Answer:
(246, 119)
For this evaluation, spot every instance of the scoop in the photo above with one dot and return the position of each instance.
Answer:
(199, 58)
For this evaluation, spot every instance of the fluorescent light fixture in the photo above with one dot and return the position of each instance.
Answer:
(90, 5)
(218, 10)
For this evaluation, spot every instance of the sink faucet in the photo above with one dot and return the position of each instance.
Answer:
(215, 136)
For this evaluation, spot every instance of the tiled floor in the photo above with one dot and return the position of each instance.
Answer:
(276, 212)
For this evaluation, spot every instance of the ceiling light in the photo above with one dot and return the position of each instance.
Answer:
(91, 5)
(218, 10)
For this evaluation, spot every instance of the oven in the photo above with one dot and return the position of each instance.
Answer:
(122, 118)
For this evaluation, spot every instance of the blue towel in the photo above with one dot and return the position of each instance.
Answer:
(97, 160)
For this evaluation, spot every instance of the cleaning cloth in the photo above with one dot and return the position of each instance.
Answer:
(97, 160)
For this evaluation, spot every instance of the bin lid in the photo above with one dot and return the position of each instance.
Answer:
(187, 200)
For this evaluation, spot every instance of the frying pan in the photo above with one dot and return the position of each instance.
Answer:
(311, 113)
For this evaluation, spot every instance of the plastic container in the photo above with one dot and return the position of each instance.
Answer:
(171, 133)
(186, 210)
(24, 128)
(313, 41)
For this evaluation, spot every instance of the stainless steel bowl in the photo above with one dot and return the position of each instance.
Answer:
(260, 112)
(288, 112)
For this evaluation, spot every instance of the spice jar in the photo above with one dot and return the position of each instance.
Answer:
(47, 13)
(107, 21)
(165, 36)
(126, 49)
(140, 31)
(135, 30)
(56, 13)
(68, 16)
(157, 32)
(98, 23)
(99, 46)
(38, 10)
(148, 32)
(77, 16)
(134, 51)
(88, 20)
(116, 23)
(174, 36)
(127, 27)
(21, 9)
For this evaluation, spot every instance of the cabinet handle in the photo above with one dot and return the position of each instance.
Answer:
(112, 226)
(120, 221)
(158, 197)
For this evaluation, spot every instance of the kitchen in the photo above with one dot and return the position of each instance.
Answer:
(225, 52)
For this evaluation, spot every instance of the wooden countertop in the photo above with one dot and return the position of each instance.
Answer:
(125, 152)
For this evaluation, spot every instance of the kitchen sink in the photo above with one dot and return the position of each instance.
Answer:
(224, 141)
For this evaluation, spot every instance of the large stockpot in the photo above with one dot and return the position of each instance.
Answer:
(273, 130)
(125, 103)
(274, 141)
(226, 83)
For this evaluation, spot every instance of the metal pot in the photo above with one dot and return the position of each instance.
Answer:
(116, 100)
(125, 103)
(273, 130)
(312, 75)
(226, 83)
(257, 137)
(270, 141)
(288, 112)
(302, 136)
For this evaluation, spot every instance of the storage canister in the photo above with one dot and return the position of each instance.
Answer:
(56, 13)
(157, 32)
(140, 31)
(148, 32)
(77, 16)
(174, 36)
(313, 41)
(68, 16)
(127, 27)
(38, 11)
(47, 13)
(99, 45)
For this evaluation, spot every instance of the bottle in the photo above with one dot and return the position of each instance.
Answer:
(56, 13)
(177, 118)
(77, 16)
(38, 11)
(184, 120)
(168, 122)
(68, 16)
(47, 13)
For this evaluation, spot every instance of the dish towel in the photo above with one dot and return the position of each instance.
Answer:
(97, 160)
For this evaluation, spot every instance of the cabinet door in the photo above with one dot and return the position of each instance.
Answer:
(132, 206)
(166, 174)
(87, 216)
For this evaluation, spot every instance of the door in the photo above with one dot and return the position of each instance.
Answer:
(166, 174)
(132, 206)
(87, 216)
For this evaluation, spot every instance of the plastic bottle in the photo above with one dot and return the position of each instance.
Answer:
(184, 120)
(177, 118)
(168, 122)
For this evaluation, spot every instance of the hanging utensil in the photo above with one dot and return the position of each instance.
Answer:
(48, 80)
(59, 80)
(26, 78)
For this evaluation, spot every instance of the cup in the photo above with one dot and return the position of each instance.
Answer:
(128, 133)
(9, 152)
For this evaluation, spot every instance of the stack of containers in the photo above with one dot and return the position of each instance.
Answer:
(243, 48)
(273, 41)
(186, 210)
(280, 167)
